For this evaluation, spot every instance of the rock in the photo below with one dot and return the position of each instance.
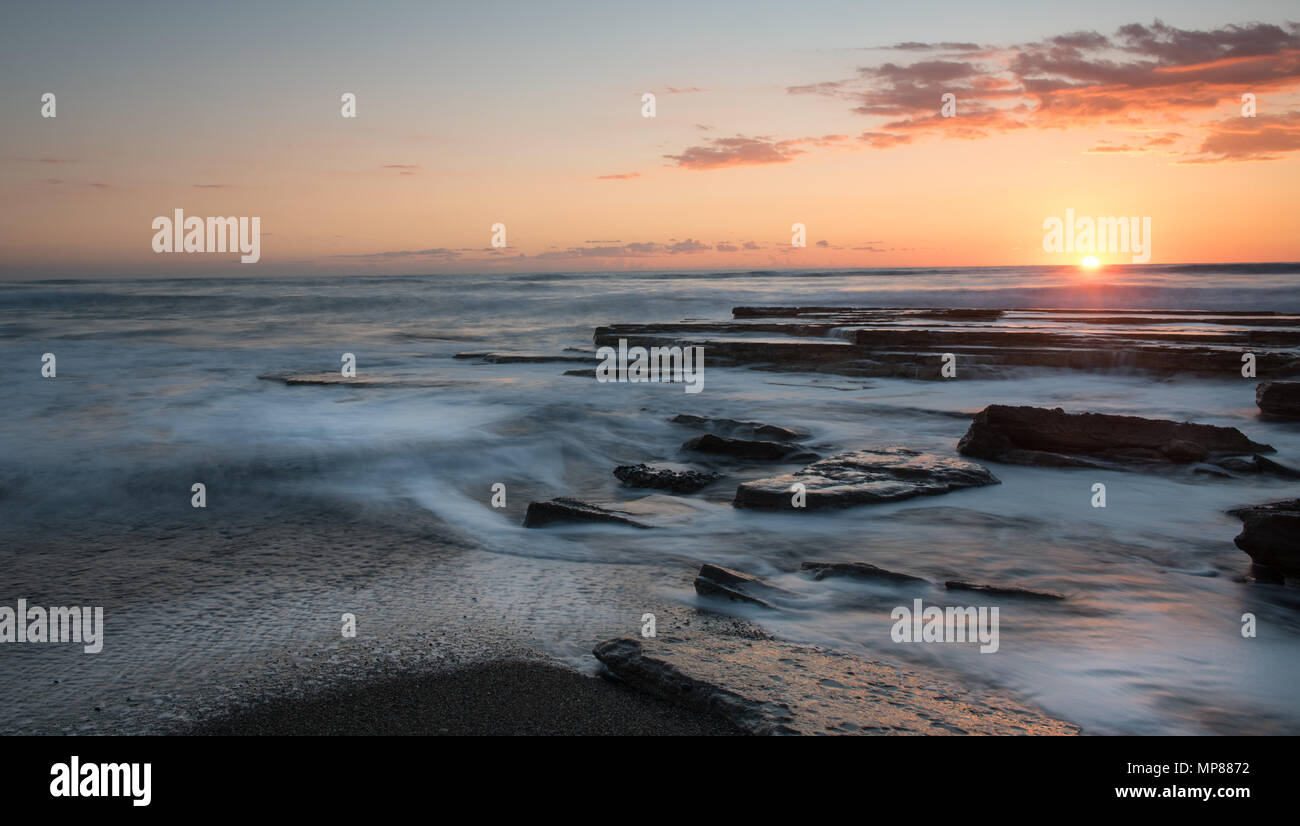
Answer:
(714, 580)
(1000, 590)
(1236, 464)
(1265, 465)
(1211, 470)
(1270, 533)
(370, 380)
(678, 481)
(1279, 398)
(733, 427)
(522, 358)
(771, 687)
(572, 510)
(856, 570)
(1184, 452)
(1038, 436)
(746, 448)
(910, 342)
(864, 477)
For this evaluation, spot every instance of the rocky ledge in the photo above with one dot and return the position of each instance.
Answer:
(1038, 436)
(767, 686)
(911, 342)
(1270, 533)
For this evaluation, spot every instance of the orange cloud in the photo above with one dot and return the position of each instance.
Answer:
(1262, 138)
(1074, 80)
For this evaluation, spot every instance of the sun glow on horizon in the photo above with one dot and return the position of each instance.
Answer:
(1090, 262)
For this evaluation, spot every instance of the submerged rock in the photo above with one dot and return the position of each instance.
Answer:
(1039, 436)
(734, 427)
(771, 687)
(678, 481)
(1001, 590)
(1236, 464)
(717, 581)
(746, 448)
(371, 380)
(1279, 398)
(521, 358)
(1266, 465)
(856, 570)
(864, 477)
(1270, 533)
(564, 509)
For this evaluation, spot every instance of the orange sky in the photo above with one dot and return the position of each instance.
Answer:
(1110, 121)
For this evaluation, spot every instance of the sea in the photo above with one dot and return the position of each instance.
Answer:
(375, 498)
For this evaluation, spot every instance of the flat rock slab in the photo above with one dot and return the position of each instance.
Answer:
(1039, 436)
(678, 481)
(865, 477)
(774, 687)
(565, 510)
(1270, 533)
(910, 342)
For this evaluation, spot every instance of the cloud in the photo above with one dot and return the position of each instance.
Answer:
(1261, 138)
(436, 252)
(744, 151)
(49, 160)
(883, 140)
(689, 245)
(636, 249)
(687, 90)
(215, 186)
(1140, 74)
(913, 46)
(403, 168)
(1137, 145)
(1105, 147)
(737, 151)
(726, 248)
(626, 176)
(1163, 140)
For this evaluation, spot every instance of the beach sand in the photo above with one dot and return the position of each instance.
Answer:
(498, 698)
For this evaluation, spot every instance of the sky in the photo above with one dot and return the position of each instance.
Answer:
(531, 115)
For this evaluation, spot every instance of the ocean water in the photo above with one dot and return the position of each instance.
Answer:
(158, 387)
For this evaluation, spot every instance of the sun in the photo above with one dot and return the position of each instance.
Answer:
(1091, 262)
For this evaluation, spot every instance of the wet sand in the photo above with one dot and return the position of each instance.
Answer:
(499, 698)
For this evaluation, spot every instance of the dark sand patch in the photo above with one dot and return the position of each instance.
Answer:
(498, 698)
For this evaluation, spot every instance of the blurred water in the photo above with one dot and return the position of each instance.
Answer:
(157, 387)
